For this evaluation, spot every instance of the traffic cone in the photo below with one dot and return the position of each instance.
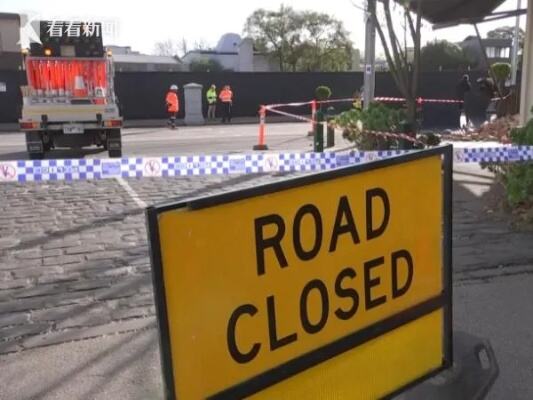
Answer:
(79, 87)
(99, 95)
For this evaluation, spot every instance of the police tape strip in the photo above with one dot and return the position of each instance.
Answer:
(299, 117)
(383, 99)
(501, 98)
(94, 169)
(304, 103)
(420, 100)
(389, 135)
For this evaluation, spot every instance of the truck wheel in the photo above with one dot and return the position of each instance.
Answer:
(115, 153)
(114, 143)
(36, 156)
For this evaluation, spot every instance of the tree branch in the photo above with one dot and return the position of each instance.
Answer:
(388, 56)
(400, 65)
(417, 45)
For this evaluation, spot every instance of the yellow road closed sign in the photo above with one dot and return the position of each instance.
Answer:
(328, 286)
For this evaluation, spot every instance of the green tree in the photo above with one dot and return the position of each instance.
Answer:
(205, 65)
(442, 54)
(507, 32)
(275, 32)
(325, 44)
(300, 40)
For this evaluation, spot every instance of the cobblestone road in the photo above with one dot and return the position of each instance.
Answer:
(74, 256)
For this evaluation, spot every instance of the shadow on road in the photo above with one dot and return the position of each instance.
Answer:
(18, 155)
(73, 153)
(61, 154)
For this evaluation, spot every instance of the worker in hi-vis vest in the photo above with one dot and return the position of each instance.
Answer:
(173, 105)
(226, 97)
(211, 96)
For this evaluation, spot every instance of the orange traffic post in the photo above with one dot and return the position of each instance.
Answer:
(262, 117)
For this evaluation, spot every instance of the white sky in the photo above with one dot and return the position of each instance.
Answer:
(141, 24)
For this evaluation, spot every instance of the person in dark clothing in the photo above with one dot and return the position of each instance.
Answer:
(463, 87)
(489, 92)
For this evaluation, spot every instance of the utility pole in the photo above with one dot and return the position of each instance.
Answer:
(370, 54)
(516, 45)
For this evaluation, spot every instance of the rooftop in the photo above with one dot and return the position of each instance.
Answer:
(499, 42)
(144, 59)
(455, 11)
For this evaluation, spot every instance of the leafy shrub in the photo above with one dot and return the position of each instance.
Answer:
(517, 177)
(429, 139)
(205, 65)
(322, 93)
(356, 123)
(502, 71)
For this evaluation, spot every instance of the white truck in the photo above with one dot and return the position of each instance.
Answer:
(69, 101)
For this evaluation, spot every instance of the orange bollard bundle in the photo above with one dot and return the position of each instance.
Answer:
(262, 122)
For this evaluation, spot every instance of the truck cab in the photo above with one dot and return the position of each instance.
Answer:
(69, 101)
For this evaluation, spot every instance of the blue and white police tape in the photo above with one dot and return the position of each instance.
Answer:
(88, 169)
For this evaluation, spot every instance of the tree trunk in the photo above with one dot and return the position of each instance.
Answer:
(410, 127)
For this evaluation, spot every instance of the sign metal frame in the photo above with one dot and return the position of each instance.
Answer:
(317, 356)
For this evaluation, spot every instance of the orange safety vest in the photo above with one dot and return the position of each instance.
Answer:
(226, 96)
(173, 104)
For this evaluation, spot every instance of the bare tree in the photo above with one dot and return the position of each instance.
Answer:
(168, 47)
(406, 73)
(405, 70)
(183, 46)
(201, 44)
(178, 48)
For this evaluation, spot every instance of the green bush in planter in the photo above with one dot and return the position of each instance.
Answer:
(322, 93)
(378, 117)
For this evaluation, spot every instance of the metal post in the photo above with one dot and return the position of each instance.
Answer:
(370, 54)
(318, 146)
(516, 45)
(330, 135)
(526, 95)
(313, 118)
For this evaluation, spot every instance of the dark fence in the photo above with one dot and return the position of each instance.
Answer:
(11, 99)
(141, 94)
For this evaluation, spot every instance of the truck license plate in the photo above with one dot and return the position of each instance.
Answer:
(72, 128)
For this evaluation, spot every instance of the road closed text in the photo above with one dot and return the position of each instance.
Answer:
(330, 283)
(367, 283)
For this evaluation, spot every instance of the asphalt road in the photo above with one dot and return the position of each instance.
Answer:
(184, 140)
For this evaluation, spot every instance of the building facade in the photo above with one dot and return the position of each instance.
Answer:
(10, 50)
(497, 50)
(234, 53)
(127, 60)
